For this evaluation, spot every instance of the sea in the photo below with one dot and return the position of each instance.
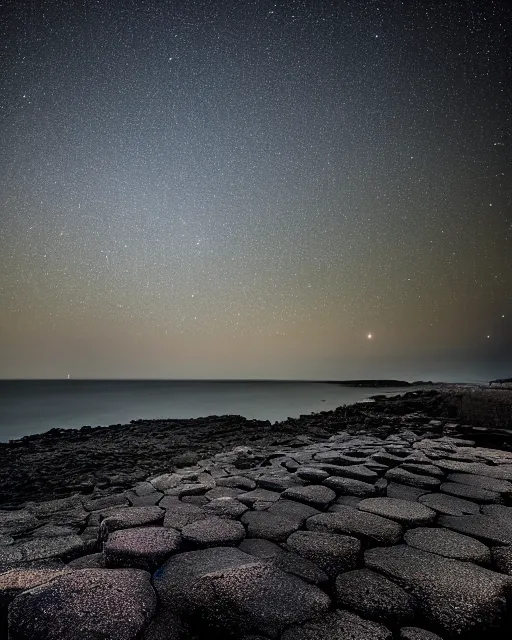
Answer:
(34, 406)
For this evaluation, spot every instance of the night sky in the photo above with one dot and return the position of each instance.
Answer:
(255, 189)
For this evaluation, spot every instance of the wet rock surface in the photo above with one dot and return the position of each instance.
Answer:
(373, 521)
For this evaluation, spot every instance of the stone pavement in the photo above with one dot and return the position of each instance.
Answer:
(356, 538)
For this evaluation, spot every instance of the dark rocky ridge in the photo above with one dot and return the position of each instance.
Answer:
(62, 462)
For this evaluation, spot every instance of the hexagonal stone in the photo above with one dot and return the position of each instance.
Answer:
(374, 597)
(229, 591)
(482, 527)
(415, 633)
(214, 532)
(179, 514)
(226, 508)
(51, 507)
(270, 526)
(454, 597)
(344, 501)
(314, 494)
(502, 559)
(129, 518)
(404, 492)
(237, 482)
(403, 511)
(448, 505)
(86, 603)
(368, 527)
(339, 625)
(350, 487)
(483, 482)
(468, 492)
(331, 552)
(449, 544)
(259, 495)
(311, 474)
(402, 476)
(296, 512)
(141, 548)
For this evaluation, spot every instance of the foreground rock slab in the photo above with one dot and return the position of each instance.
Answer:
(227, 590)
(86, 604)
(455, 598)
(143, 548)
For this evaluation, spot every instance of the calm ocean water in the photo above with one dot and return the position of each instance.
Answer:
(28, 407)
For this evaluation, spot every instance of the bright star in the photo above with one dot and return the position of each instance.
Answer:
(369, 336)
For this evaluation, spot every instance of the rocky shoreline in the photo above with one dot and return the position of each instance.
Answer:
(374, 521)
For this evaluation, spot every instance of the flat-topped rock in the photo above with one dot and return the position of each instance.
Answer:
(470, 492)
(141, 548)
(258, 495)
(449, 544)
(270, 526)
(402, 476)
(314, 494)
(456, 598)
(296, 512)
(63, 547)
(179, 514)
(374, 597)
(311, 474)
(339, 625)
(237, 482)
(234, 593)
(333, 553)
(85, 604)
(50, 507)
(226, 508)
(370, 528)
(337, 458)
(403, 511)
(483, 482)
(482, 527)
(214, 532)
(350, 487)
(449, 505)
(129, 518)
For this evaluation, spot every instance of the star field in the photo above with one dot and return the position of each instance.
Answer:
(255, 189)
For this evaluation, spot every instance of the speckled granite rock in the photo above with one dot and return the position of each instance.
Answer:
(374, 597)
(403, 511)
(85, 604)
(129, 518)
(331, 552)
(449, 544)
(213, 532)
(141, 548)
(454, 597)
